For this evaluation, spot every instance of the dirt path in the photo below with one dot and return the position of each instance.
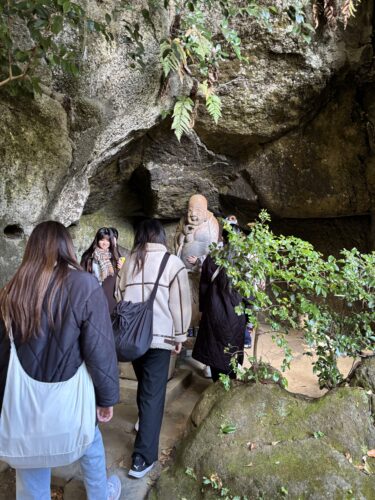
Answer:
(301, 378)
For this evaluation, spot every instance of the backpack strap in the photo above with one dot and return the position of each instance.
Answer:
(161, 270)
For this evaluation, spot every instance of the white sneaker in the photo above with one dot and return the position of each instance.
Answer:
(114, 487)
(207, 372)
(139, 467)
(136, 426)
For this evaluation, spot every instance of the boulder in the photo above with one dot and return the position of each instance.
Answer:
(302, 175)
(285, 82)
(282, 445)
(35, 161)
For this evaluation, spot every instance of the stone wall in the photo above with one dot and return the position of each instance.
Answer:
(296, 137)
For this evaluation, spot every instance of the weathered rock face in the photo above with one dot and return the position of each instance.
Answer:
(35, 160)
(302, 173)
(285, 83)
(296, 137)
(51, 146)
(273, 451)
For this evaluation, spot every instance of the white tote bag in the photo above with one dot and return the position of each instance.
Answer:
(45, 424)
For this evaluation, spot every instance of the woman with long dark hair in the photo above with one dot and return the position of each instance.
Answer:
(221, 329)
(55, 317)
(171, 318)
(102, 259)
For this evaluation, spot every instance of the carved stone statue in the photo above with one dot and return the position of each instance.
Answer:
(194, 235)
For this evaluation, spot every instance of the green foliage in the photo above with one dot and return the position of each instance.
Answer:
(294, 287)
(225, 380)
(182, 116)
(213, 102)
(227, 428)
(318, 434)
(190, 472)
(172, 57)
(300, 26)
(258, 371)
(29, 36)
(195, 51)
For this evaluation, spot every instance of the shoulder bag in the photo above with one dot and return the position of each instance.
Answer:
(45, 424)
(132, 323)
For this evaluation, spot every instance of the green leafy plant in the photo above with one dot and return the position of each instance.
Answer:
(190, 472)
(194, 50)
(182, 116)
(29, 38)
(292, 286)
(227, 428)
(318, 434)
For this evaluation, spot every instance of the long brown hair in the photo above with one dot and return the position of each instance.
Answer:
(48, 254)
(148, 231)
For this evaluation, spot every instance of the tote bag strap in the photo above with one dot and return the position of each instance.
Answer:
(161, 270)
(218, 269)
(10, 333)
(8, 327)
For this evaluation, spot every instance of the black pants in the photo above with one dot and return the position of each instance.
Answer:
(152, 374)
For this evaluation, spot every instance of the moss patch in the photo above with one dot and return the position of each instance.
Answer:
(283, 442)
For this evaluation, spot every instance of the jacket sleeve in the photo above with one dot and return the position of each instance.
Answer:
(180, 303)
(4, 360)
(120, 284)
(98, 349)
(204, 283)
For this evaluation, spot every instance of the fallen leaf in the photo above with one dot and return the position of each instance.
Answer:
(371, 453)
(360, 467)
(251, 445)
(249, 465)
(274, 443)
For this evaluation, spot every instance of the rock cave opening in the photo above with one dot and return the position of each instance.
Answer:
(140, 185)
(14, 232)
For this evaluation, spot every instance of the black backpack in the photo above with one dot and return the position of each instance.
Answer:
(132, 323)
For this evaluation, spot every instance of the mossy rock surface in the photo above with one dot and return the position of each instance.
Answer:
(283, 445)
(364, 375)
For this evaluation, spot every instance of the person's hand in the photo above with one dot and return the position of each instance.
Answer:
(104, 414)
(120, 262)
(178, 347)
(192, 259)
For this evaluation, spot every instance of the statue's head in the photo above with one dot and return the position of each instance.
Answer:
(197, 210)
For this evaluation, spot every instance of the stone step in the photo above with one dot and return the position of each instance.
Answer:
(175, 386)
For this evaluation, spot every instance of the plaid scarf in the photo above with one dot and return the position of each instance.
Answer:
(103, 258)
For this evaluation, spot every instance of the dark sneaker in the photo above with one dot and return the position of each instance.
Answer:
(139, 467)
(114, 487)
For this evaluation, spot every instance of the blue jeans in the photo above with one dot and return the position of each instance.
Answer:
(35, 484)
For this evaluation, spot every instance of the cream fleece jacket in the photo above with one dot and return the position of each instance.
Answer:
(172, 306)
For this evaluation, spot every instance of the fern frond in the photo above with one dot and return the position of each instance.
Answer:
(348, 10)
(168, 58)
(203, 89)
(214, 105)
(315, 14)
(182, 118)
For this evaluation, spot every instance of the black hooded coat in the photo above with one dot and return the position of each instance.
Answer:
(221, 330)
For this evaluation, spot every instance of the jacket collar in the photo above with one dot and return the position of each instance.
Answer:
(155, 247)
